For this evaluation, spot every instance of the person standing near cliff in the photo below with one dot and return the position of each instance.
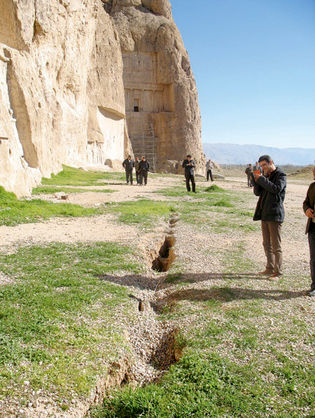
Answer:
(209, 167)
(128, 165)
(271, 188)
(143, 170)
(309, 210)
(137, 162)
(189, 166)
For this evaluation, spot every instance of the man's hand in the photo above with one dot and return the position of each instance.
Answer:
(256, 176)
(309, 213)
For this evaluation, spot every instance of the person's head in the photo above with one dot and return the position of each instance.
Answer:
(188, 157)
(137, 158)
(267, 164)
(129, 157)
(249, 165)
(143, 158)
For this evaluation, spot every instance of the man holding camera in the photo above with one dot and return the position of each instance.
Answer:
(270, 187)
(189, 166)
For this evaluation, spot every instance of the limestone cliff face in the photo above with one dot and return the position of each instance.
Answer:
(162, 108)
(61, 89)
(78, 76)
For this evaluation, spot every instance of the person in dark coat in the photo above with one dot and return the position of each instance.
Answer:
(257, 167)
(270, 187)
(309, 210)
(137, 162)
(143, 170)
(189, 166)
(249, 173)
(128, 165)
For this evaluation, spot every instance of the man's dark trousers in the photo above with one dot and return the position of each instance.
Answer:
(138, 176)
(129, 176)
(209, 174)
(311, 240)
(143, 177)
(190, 178)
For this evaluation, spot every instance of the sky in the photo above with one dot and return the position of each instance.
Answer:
(254, 64)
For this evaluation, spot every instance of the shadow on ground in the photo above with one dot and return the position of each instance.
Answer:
(164, 281)
(221, 294)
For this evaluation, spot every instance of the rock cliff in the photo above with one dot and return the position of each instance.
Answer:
(78, 78)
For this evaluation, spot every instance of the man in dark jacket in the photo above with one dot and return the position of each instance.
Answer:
(189, 166)
(128, 165)
(309, 210)
(143, 170)
(137, 162)
(271, 188)
(249, 173)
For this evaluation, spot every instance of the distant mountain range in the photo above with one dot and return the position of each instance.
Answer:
(244, 154)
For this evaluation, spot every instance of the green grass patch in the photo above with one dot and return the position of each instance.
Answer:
(177, 191)
(56, 328)
(70, 176)
(222, 203)
(180, 191)
(51, 190)
(214, 188)
(199, 385)
(14, 211)
(241, 213)
(141, 212)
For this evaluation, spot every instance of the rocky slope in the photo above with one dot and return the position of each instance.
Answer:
(79, 79)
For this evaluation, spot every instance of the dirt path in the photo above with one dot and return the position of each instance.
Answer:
(121, 192)
(66, 230)
(87, 229)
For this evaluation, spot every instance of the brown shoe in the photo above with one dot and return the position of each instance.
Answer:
(265, 273)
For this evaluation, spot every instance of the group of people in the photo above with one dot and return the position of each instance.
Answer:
(250, 169)
(269, 184)
(141, 167)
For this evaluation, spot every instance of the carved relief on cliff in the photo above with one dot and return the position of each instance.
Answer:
(145, 98)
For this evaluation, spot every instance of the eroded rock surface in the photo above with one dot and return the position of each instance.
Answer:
(78, 78)
(162, 108)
